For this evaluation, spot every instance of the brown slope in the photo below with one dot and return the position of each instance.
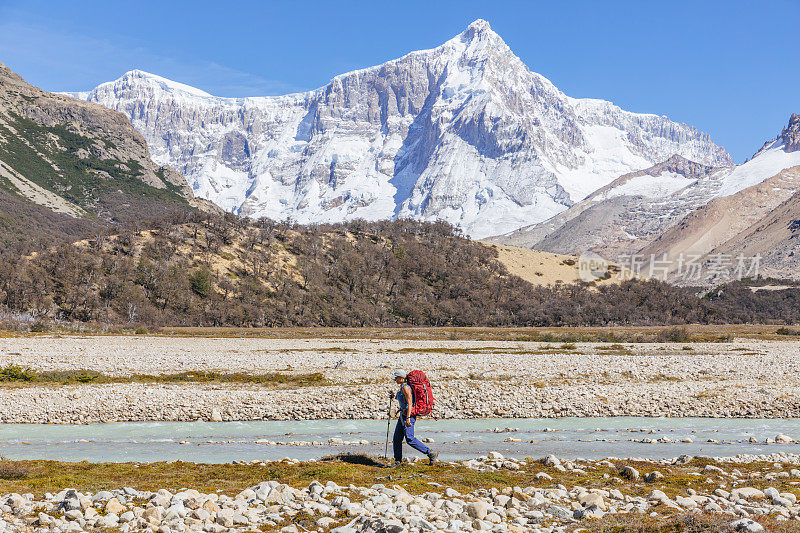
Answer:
(725, 223)
(775, 238)
(546, 268)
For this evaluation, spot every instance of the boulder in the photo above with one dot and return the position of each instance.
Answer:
(745, 524)
(591, 498)
(477, 510)
(108, 521)
(658, 496)
(653, 476)
(686, 503)
(560, 512)
(225, 517)
(325, 522)
(745, 493)
(114, 506)
(210, 507)
(628, 472)
(152, 515)
(552, 460)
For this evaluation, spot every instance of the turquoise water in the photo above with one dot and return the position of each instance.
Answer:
(219, 442)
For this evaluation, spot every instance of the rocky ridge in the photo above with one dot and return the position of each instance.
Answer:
(791, 134)
(110, 133)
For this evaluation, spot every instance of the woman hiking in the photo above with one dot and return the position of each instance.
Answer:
(405, 422)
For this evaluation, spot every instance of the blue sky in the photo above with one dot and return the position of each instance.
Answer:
(729, 68)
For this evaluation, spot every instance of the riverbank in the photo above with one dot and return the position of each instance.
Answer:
(472, 378)
(490, 493)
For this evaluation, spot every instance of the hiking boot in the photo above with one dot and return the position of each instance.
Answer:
(394, 464)
(433, 456)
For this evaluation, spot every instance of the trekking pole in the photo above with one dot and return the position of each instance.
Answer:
(388, 423)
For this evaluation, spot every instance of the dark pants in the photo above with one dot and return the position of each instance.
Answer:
(401, 431)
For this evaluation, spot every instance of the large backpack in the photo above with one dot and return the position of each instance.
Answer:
(422, 393)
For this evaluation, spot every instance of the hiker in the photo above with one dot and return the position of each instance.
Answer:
(407, 418)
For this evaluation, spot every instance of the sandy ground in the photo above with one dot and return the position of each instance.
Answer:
(471, 379)
(546, 268)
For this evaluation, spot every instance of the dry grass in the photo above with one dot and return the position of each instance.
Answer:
(14, 375)
(50, 476)
(611, 334)
(10, 471)
(684, 523)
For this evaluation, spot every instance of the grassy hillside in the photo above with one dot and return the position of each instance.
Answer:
(58, 160)
(68, 168)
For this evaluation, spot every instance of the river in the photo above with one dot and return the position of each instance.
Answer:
(220, 442)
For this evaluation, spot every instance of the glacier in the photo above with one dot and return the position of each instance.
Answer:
(464, 132)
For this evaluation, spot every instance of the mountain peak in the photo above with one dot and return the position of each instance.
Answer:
(479, 30)
(791, 134)
(479, 26)
(164, 83)
(463, 132)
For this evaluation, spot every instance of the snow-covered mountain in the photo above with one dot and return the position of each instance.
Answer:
(464, 132)
(682, 208)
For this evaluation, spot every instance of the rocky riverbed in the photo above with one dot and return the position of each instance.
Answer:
(472, 379)
(744, 493)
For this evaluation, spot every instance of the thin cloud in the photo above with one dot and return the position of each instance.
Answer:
(67, 61)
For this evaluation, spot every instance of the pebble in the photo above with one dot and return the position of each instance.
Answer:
(272, 506)
(752, 383)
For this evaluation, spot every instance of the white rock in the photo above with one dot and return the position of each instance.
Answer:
(658, 496)
(560, 512)
(478, 509)
(686, 503)
(745, 524)
(325, 522)
(745, 493)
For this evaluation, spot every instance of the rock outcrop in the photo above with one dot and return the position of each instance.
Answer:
(791, 134)
(68, 166)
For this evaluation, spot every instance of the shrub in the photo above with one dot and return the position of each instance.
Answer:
(674, 334)
(39, 327)
(200, 282)
(11, 471)
(12, 373)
